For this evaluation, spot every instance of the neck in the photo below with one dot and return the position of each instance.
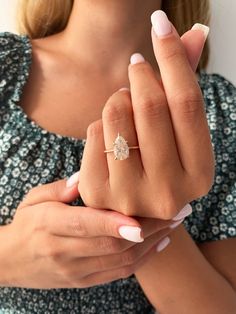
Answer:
(101, 33)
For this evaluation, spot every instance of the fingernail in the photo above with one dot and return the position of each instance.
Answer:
(74, 179)
(131, 233)
(161, 23)
(176, 224)
(137, 58)
(163, 244)
(186, 211)
(124, 89)
(205, 29)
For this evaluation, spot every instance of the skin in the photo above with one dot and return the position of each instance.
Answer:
(62, 247)
(70, 70)
(167, 119)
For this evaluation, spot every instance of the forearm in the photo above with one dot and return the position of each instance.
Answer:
(181, 280)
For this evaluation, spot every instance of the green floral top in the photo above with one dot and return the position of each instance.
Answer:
(31, 156)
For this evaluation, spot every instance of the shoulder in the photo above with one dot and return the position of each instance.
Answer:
(15, 55)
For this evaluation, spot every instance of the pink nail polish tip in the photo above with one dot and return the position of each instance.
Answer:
(124, 89)
(74, 179)
(161, 23)
(186, 211)
(131, 233)
(137, 58)
(176, 224)
(204, 28)
(163, 244)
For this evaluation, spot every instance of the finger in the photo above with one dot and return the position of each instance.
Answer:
(68, 248)
(74, 247)
(127, 258)
(194, 41)
(117, 118)
(183, 95)
(152, 121)
(78, 221)
(94, 169)
(120, 272)
(55, 191)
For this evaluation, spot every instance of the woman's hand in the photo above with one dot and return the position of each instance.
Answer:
(50, 244)
(166, 118)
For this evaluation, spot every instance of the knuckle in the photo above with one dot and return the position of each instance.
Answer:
(117, 108)
(152, 107)
(92, 196)
(203, 184)
(173, 53)
(95, 128)
(39, 218)
(128, 258)
(189, 102)
(78, 227)
(110, 245)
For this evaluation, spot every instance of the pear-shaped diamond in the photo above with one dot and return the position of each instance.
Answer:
(121, 149)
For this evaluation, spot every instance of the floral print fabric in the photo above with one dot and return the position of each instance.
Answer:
(31, 156)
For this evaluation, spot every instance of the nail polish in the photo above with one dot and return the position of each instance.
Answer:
(205, 29)
(137, 58)
(161, 23)
(124, 89)
(131, 233)
(163, 244)
(74, 179)
(186, 211)
(176, 224)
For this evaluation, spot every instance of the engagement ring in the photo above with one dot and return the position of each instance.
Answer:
(120, 148)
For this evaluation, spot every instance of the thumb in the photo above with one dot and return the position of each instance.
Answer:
(58, 191)
(194, 41)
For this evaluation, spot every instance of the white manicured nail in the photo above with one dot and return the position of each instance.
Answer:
(124, 89)
(205, 29)
(131, 233)
(176, 224)
(74, 179)
(186, 211)
(163, 244)
(137, 58)
(161, 23)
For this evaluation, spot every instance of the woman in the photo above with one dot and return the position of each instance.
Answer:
(75, 247)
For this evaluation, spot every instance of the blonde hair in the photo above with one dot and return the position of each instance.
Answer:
(41, 18)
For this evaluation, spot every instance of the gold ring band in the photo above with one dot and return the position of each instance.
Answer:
(112, 150)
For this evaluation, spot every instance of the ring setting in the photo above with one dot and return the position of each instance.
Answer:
(120, 148)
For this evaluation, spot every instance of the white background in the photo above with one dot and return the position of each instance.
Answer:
(222, 35)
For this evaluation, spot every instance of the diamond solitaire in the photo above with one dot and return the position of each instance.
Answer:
(121, 148)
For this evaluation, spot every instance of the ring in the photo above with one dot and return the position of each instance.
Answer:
(120, 148)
